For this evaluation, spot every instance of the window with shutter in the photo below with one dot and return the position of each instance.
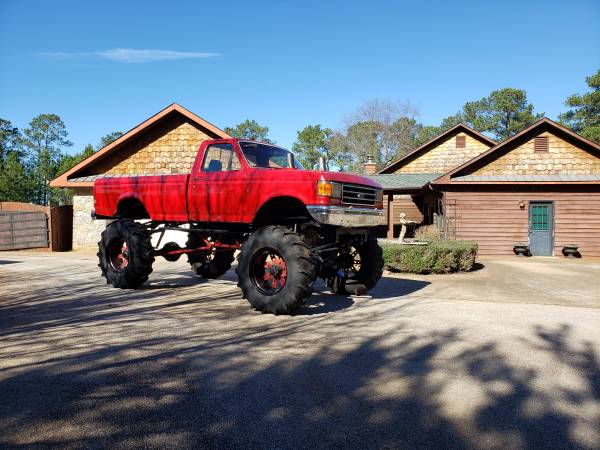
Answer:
(461, 141)
(540, 144)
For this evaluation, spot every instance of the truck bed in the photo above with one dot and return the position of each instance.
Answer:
(164, 196)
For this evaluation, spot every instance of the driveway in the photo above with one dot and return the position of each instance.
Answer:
(504, 357)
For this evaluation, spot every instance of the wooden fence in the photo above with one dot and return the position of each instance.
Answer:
(25, 225)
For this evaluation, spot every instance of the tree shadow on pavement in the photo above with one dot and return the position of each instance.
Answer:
(86, 366)
(250, 390)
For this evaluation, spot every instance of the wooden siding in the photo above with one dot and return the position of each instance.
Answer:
(168, 148)
(445, 156)
(404, 204)
(496, 221)
(562, 158)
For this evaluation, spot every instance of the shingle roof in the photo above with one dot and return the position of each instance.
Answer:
(532, 178)
(404, 181)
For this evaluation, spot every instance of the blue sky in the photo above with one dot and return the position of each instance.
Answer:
(108, 65)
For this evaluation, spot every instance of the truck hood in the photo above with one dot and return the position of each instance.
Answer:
(295, 175)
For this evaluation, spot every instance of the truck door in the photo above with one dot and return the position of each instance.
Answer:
(216, 187)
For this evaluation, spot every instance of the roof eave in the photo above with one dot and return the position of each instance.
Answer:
(62, 180)
(532, 183)
(406, 190)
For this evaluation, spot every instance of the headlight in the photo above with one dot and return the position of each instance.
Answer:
(329, 189)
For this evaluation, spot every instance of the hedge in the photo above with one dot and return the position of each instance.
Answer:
(435, 257)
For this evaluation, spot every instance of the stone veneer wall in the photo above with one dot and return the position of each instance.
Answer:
(445, 156)
(86, 232)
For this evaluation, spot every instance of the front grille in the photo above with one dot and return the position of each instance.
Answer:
(358, 195)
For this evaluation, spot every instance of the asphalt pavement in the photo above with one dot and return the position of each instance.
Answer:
(505, 357)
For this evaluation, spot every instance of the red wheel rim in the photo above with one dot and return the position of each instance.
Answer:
(118, 255)
(269, 271)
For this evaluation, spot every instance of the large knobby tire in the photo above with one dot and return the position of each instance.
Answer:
(370, 271)
(125, 254)
(276, 270)
(208, 265)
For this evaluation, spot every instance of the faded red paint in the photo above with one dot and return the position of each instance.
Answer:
(228, 196)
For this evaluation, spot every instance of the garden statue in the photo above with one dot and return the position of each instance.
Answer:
(404, 223)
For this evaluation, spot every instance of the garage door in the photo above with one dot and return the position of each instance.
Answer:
(23, 229)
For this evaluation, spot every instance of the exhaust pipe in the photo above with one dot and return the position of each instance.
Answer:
(290, 160)
(322, 166)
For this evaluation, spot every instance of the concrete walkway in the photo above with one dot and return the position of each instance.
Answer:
(504, 357)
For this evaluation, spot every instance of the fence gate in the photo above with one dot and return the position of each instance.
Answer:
(23, 229)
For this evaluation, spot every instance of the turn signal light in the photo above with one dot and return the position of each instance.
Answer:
(329, 189)
(325, 188)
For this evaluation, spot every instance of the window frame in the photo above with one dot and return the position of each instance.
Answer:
(252, 166)
(233, 151)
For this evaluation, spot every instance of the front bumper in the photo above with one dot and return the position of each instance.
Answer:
(341, 216)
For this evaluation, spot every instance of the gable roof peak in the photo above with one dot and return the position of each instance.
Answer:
(62, 180)
(390, 168)
(506, 146)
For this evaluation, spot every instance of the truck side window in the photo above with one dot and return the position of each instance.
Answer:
(219, 158)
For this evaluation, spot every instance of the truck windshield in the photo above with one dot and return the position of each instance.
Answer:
(267, 156)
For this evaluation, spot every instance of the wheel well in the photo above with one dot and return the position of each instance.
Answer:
(132, 208)
(281, 210)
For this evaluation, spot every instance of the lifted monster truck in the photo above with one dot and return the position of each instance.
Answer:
(290, 225)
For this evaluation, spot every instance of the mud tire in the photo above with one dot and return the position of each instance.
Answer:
(371, 269)
(301, 270)
(139, 249)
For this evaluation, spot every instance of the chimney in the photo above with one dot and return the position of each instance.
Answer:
(370, 166)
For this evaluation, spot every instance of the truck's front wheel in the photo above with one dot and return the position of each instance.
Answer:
(359, 269)
(276, 271)
(125, 254)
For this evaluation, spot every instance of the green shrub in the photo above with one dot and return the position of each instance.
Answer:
(435, 257)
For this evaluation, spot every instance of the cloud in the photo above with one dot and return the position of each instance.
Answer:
(129, 55)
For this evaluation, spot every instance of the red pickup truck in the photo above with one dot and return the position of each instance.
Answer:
(291, 225)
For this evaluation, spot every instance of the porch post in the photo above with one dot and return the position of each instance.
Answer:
(390, 216)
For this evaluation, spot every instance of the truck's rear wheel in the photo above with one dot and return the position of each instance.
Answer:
(358, 270)
(276, 271)
(125, 254)
(208, 265)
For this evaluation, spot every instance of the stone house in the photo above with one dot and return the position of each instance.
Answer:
(166, 143)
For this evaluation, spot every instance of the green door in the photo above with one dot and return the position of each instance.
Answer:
(541, 225)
